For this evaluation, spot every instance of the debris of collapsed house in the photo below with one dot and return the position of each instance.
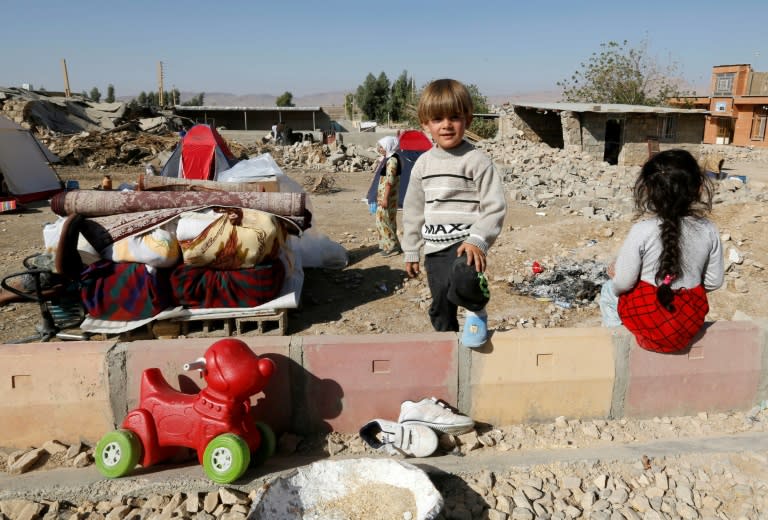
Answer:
(98, 135)
(570, 182)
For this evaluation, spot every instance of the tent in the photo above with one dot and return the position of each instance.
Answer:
(201, 154)
(25, 171)
(412, 144)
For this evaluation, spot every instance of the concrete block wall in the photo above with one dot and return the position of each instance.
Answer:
(80, 390)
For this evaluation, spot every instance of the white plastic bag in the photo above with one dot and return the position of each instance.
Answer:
(316, 249)
(251, 170)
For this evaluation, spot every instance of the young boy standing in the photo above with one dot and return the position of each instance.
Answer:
(454, 208)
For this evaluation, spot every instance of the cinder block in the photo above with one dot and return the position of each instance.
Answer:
(350, 380)
(538, 374)
(54, 390)
(273, 405)
(720, 372)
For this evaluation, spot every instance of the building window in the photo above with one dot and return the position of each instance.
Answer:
(667, 129)
(724, 84)
(759, 120)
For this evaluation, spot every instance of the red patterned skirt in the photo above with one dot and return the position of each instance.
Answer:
(658, 329)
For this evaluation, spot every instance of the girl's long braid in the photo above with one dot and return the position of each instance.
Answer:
(671, 185)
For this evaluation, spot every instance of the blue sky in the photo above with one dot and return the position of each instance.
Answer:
(255, 47)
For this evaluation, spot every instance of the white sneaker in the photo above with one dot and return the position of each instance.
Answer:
(436, 414)
(410, 439)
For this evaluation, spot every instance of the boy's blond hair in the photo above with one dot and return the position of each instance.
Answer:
(444, 98)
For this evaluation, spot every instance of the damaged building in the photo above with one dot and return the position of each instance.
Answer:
(618, 134)
(257, 118)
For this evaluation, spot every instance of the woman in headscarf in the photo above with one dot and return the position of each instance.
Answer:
(386, 197)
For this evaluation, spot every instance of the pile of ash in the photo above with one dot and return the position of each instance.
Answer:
(566, 283)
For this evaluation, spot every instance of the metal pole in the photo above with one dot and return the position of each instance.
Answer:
(160, 83)
(67, 92)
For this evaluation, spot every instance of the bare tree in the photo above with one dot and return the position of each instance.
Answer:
(623, 74)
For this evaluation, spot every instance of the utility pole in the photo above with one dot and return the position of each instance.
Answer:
(67, 92)
(160, 82)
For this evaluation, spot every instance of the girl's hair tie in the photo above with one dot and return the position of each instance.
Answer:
(668, 279)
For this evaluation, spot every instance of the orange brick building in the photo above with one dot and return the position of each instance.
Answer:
(738, 106)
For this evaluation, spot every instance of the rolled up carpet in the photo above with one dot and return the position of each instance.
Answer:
(99, 203)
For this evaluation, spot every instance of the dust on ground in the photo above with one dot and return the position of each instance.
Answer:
(373, 295)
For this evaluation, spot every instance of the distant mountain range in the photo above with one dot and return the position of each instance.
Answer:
(325, 99)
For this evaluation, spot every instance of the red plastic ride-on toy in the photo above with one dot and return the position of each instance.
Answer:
(215, 422)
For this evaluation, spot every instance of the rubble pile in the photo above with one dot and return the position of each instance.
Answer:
(101, 149)
(46, 113)
(330, 158)
(735, 153)
(573, 182)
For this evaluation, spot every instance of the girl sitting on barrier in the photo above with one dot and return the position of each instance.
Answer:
(669, 261)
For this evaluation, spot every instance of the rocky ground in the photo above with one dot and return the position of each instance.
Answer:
(583, 208)
(706, 466)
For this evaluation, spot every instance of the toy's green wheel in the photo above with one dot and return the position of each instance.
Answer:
(267, 447)
(117, 453)
(226, 458)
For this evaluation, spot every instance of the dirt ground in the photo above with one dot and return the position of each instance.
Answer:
(372, 294)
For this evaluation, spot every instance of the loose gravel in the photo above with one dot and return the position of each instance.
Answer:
(709, 466)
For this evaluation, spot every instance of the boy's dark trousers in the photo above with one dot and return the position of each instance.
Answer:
(453, 284)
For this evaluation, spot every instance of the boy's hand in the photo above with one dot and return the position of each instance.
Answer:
(475, 256)
(412, 269)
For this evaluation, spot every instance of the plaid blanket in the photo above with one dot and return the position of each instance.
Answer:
(124, 291)
(658, 329)
(202, 287)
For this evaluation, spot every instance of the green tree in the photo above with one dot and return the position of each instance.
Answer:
(95, 95)
(142, 99)
(402, 96)
(623, 74)
(485, 128)
(285, 100)
(373, 97)
(110, 94)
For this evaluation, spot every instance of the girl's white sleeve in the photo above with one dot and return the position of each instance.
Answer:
(629, 262)
(714, 275)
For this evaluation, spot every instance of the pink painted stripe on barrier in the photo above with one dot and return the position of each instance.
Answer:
(722, 371)
(354, 379)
